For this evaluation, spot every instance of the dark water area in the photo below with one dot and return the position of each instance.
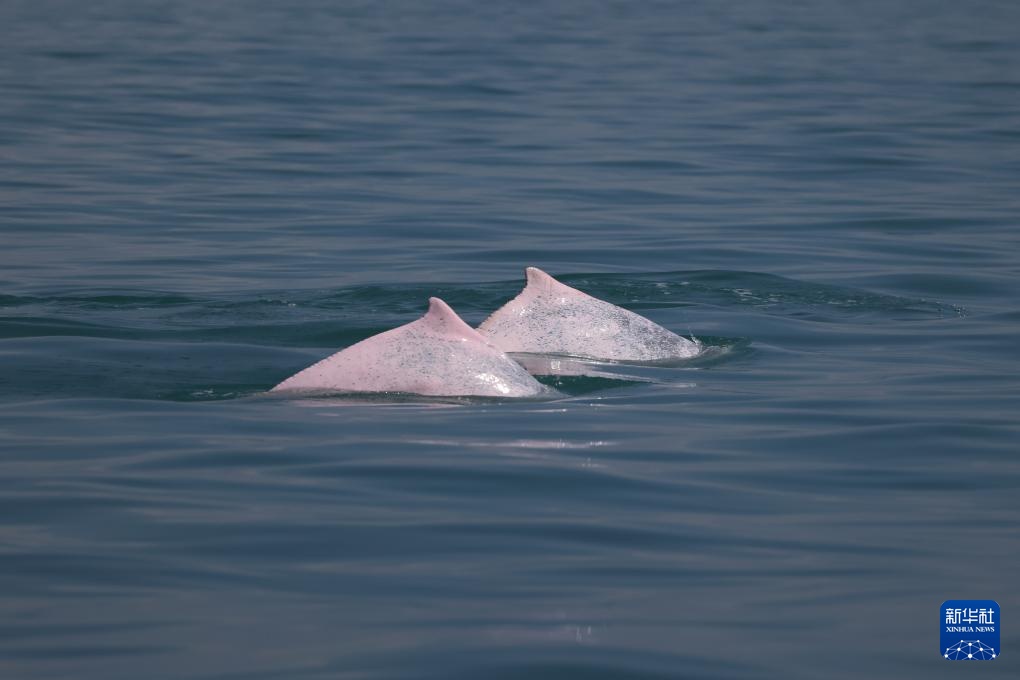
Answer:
(199, 199)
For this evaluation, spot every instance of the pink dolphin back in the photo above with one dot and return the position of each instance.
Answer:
(549, 317)
(437, 355)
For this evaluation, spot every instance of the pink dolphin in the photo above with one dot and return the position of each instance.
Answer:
(549, 317)
(437, 355)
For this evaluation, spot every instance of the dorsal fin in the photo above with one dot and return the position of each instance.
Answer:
(442, 320)
(436, 354)
(541, 283)
(549, 317)
(538, 279)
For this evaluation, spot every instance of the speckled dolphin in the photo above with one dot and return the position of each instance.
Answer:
(436, 355)
(549, 317)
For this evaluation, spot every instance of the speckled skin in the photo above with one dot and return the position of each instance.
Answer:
(549, 317)
(437, 355)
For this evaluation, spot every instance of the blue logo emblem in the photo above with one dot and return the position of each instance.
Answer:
(970, 630)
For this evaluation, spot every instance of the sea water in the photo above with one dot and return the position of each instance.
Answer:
(198, 199)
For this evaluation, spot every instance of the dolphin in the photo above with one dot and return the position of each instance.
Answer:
(436, 355)
(549, 317)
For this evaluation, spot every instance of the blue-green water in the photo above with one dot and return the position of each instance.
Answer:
(199, 198)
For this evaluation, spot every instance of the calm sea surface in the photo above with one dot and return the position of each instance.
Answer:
(198, 199)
